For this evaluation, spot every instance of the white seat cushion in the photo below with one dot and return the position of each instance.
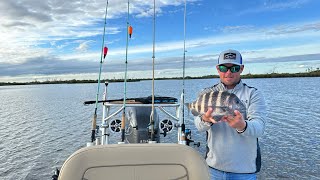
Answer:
(135, 161)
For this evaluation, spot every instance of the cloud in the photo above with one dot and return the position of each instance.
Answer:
(288, 4)
(293, 58)
(269, 5)
(243, 28)
(32, 25)
(83, 46)
(47, 66)
(288, 29)
(17, 13)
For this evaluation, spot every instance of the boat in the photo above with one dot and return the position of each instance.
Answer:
(138, 157)
(139, 153)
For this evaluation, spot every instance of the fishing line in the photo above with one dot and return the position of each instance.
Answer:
(129, 33)
(104, 50)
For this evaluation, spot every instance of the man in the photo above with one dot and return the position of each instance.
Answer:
(232, 144)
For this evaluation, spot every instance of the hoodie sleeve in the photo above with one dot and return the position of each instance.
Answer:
(256, 115)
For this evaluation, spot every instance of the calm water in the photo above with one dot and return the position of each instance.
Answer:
(42, 125)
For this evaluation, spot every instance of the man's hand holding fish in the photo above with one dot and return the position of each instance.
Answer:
(236, 121)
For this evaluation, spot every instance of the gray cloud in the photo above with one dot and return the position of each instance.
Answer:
(46, 66)
(296, 58)
(21, 13)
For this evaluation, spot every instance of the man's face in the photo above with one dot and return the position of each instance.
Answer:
(228, 78)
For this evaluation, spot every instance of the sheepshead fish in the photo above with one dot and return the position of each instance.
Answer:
(222, 102)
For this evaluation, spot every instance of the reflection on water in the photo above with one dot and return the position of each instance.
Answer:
(42, 125)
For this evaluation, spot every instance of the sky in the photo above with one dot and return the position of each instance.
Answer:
(61, 40)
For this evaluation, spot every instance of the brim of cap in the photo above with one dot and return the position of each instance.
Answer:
(230, 63)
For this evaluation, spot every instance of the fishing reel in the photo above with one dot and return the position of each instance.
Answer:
(115, 125)
(189, 138)
(166, 125)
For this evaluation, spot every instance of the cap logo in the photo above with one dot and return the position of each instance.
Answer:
(229, 56)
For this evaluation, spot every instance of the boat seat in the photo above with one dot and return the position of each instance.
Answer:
(158, 161)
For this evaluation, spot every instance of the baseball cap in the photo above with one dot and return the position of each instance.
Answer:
(230, 56)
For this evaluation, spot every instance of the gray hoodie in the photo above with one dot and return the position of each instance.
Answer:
(229, 150)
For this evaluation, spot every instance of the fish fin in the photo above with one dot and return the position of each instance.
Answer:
(217, 117)
(194, 112)
(187, 105)
(224, 108)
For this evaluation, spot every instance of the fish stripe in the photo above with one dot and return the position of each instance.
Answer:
(226, 98)
(214, 98)
(203, 101)
(219, 98)
(210, 99)
(226, 102)
(207, 102)
(196, 104)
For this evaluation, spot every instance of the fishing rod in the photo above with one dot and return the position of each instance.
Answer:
(152, 138)
(104, 51)
(183, 134)
(142, 100)
(123, 120)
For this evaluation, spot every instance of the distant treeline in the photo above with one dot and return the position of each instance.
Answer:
(315, 73)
